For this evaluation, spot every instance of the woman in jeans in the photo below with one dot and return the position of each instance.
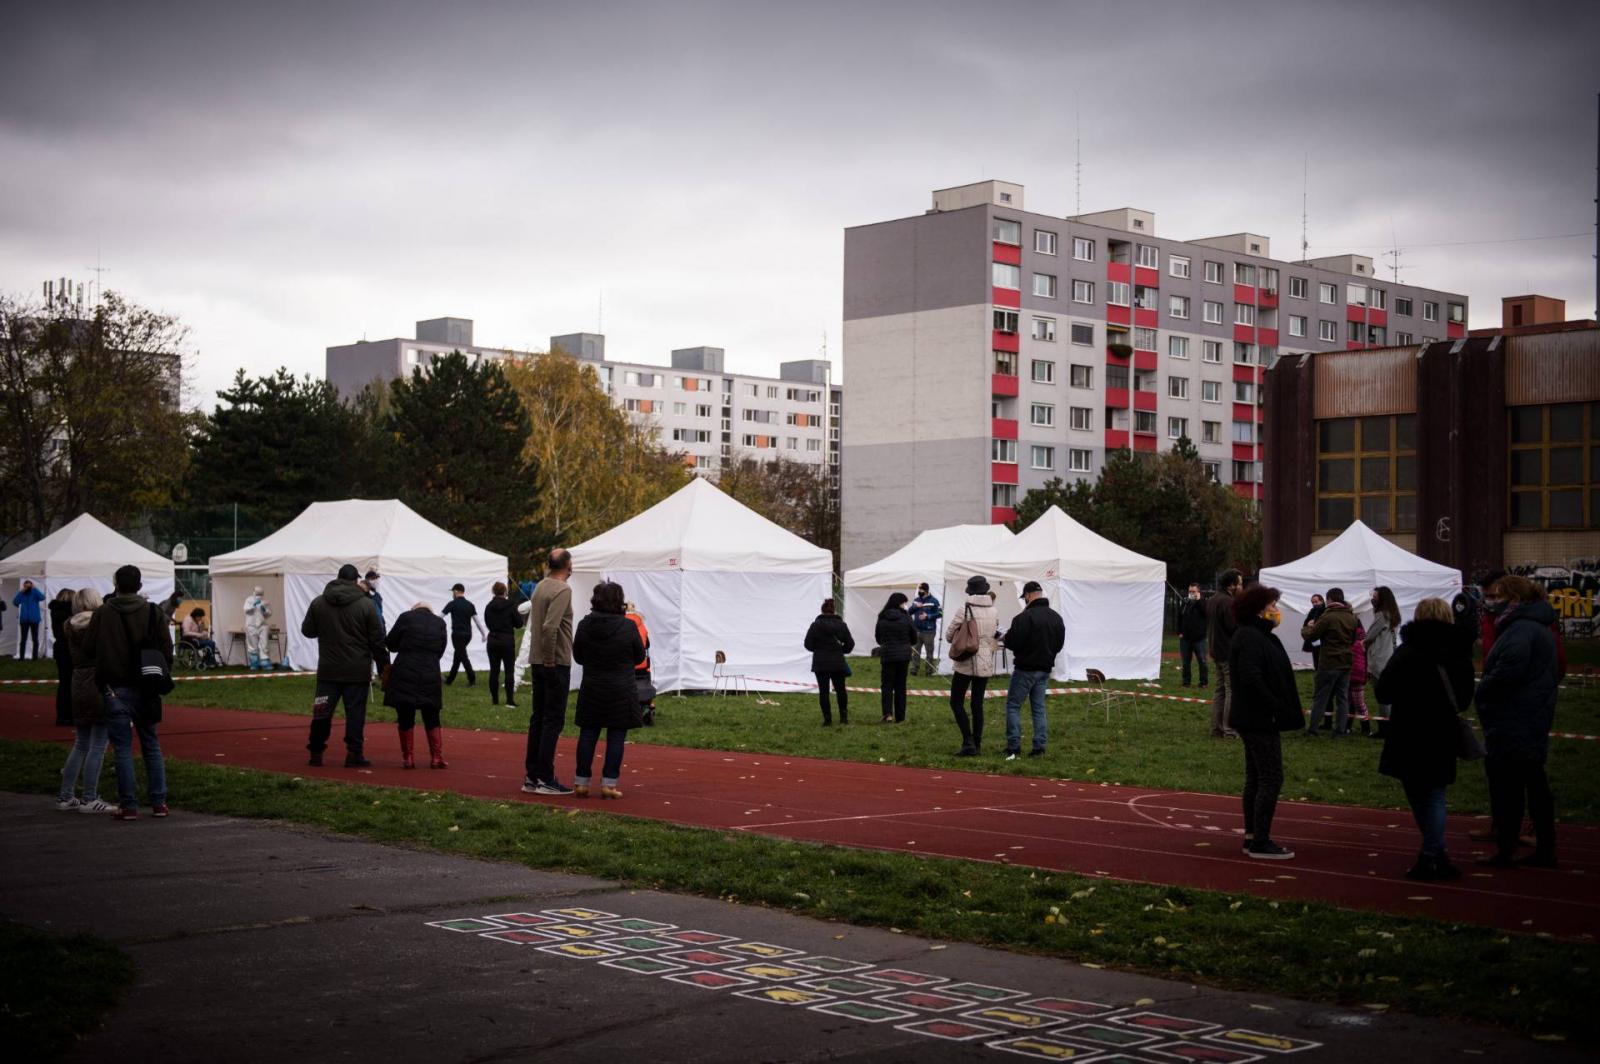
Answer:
(608, 647)
(412, 683)
(896, 636)
(1428, 682)
(829, 640)
(88, 715)
(1266, 703)
(973, 673)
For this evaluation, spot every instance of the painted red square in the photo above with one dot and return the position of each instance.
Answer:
(698, 938)
(1067, 1006)
(701, 956)
(927, 1001)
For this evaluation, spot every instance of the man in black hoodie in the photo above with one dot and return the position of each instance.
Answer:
(1193, 627)
(349, 636)
(1035, 637)
(1219, 637)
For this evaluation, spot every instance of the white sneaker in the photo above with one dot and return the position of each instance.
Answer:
(67, 805)
(99, 805)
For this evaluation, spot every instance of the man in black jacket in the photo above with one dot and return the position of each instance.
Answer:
(1219, 634)
(1318, 607)
(1192, 630)
(1035, 637)
(349, 636)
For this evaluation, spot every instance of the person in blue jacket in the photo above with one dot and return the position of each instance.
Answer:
(27, 603)
(925, 616)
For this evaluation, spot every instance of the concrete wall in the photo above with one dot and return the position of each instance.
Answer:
(351, 367)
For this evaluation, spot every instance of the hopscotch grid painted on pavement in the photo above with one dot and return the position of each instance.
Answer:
(932, 1006)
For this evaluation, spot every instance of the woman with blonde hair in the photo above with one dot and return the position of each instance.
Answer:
(88, 715)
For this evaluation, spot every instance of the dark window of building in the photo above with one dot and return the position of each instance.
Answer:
(1367, 468)
(1516, 314)
(1554, 466)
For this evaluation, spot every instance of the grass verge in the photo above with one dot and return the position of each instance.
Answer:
(53, 989)
(1536, 986)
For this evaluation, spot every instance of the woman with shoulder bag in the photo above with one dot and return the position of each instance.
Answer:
(411, 684)
(971, 634)
(829, 640)
(608, 647)
(1266, 703)
(1427, 683)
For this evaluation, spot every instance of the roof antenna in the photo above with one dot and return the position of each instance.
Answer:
(1078, 165)
(1394, 252)
(1305, 184)
(99, 273)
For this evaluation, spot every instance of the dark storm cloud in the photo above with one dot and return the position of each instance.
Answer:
(286, 176)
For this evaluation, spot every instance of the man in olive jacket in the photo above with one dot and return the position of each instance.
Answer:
(1336, 630)
(349, 636)
(550, 655)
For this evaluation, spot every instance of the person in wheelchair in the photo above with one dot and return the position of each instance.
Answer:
(197, 635)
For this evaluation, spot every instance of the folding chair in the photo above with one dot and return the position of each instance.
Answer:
(726, 682)
(1108, 697)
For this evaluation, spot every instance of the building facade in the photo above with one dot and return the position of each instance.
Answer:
(694, 406)
(996, 348)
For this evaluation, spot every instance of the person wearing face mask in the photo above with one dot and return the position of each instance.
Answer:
(1336, 630)
(896, 638)
(1318, 607)
(1266, 703)
(1192, 626)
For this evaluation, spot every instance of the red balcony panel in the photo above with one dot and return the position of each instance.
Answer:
(1145, 275)
(1261, 414)
(1114, 359)
(1146, 319)
(1001, 341)
(1144, 400)
(1244, 373)
(1267, 298)
(1354, 313)
(1003, 384)
(1245, 334)
(1006, 297)
(1117, 398)
(1003, 428)
(1244, 293)
(1118, 315)
(1119, 271)
(1003, 472)
(1354, 345)
(1009, 254)
(1267, 337)
(1116, 439)
(1146, 360)
(1455, 330)
(1001, 515)
(1243, 411)
(1243, 452)
(1247, 491)
(1144, 441)
(1377, 317)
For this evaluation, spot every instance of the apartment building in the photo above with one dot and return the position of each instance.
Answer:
(996, 348)
(694, 405)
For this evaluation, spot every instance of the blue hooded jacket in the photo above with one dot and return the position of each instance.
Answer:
(1517, 695)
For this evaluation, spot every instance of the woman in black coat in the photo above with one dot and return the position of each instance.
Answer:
(412, 682)
(608, 646)
(1419, 741)
(1266, 703)
(896, 637)
(61, 650)
(502, 620)
(829, 640)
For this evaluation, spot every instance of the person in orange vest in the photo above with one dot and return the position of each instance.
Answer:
(641, 673)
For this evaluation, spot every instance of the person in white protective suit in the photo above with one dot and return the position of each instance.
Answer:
(256, 614)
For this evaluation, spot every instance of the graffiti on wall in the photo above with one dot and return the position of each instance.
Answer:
(1573, 589)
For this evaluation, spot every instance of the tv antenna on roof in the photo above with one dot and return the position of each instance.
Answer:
(1305, 185)
(1077, 166)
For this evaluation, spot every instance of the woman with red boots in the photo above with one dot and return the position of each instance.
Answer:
(412, 682)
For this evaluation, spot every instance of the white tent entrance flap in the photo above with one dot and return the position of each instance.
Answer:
(1109, 597)
(921, 561)
(710, 574)
(1357, 561)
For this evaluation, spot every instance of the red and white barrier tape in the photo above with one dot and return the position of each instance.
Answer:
(186, 679)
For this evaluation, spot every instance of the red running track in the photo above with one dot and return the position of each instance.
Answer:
(1346, 856)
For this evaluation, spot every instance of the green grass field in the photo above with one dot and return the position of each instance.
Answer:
(53, 989)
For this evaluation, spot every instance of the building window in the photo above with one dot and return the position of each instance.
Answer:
(1297, 325)
(813, 445)
(1178, 306)
(1044, 372)
(1149, 256)
(1007, 232)
(1329, 293)
(1178, 387)
(1177, 266)
(1078, 460)
(1042, 457)
(1005, 363)
(1555, 466)
(1044, 329)
(1355, 295)
(1243, 432)
(772, 391)
(1177, 428)
(1083, 291)
(1005, 321)
(1211, 351)
(1178, 346)
(1083, 333)
(1211, 391)
(1081, 418)
(1328, 330)
(1082, 376)
(1044, 285)
(692, 435)
(1402, 339)
(1044, 242)
(1042, 414)
(1298, 287)
(1082, 249)
(1145, 297)
(1244, 273)
(1244, 392)
(1210, 432)
(1243, 354)
(1367, 468)
(1355, 332)
(1402, 306)
(1003, 451)
(1213, 273)
(1007, 276)
(1144, 339)
(1118, 293)
(1377, 298)
(1269, 278)
(1244, 472)
(1116, 376)
(1213, 471)
(1003, 495)
(1430, 311)
(1212, 312)
(680, 409)
(1244, 314)
(1457, 312)
(1144, 421)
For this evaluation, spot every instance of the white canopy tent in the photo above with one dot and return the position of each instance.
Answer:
(1356, 562)
(1110, 598)
(84, 553)
(921, 561)
(709, 574)
(417, 561)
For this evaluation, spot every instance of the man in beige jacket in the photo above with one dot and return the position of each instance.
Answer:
(550, 658)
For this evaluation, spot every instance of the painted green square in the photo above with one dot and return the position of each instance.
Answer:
(840, 984)
(981, 992)
(1106, 1036)
(640, 943)
(866, 1010)
(633, 923)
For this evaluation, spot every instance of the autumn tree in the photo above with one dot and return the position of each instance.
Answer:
(798, 496)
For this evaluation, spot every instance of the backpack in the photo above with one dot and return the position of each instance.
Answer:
(964, 637)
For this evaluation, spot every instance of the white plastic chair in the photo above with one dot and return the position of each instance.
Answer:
(726, 682)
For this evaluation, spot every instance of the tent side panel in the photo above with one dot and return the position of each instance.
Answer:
(1113, 627)
(758, 620)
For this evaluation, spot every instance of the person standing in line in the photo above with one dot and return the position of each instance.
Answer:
(1336, 630)
(88, 716)
(256, 630)
(973, 672)
(371, 586)
(1426, 684)
(1379, 642)
(1319, 606)
(1035, 638)
(27, 600)
(463, 618)
(1266, 702)
(1219, 635)
(349, 639)
(1193, 627)
(925, 615)
(829, 640)
(608, 647)
(642, 672)
(60, 611)
(502, 620)
(550, 652)
(1516, 705)
(413, 685)
(896, 639)
(122, 628)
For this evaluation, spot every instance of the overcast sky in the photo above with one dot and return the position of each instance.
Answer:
(284, 176)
